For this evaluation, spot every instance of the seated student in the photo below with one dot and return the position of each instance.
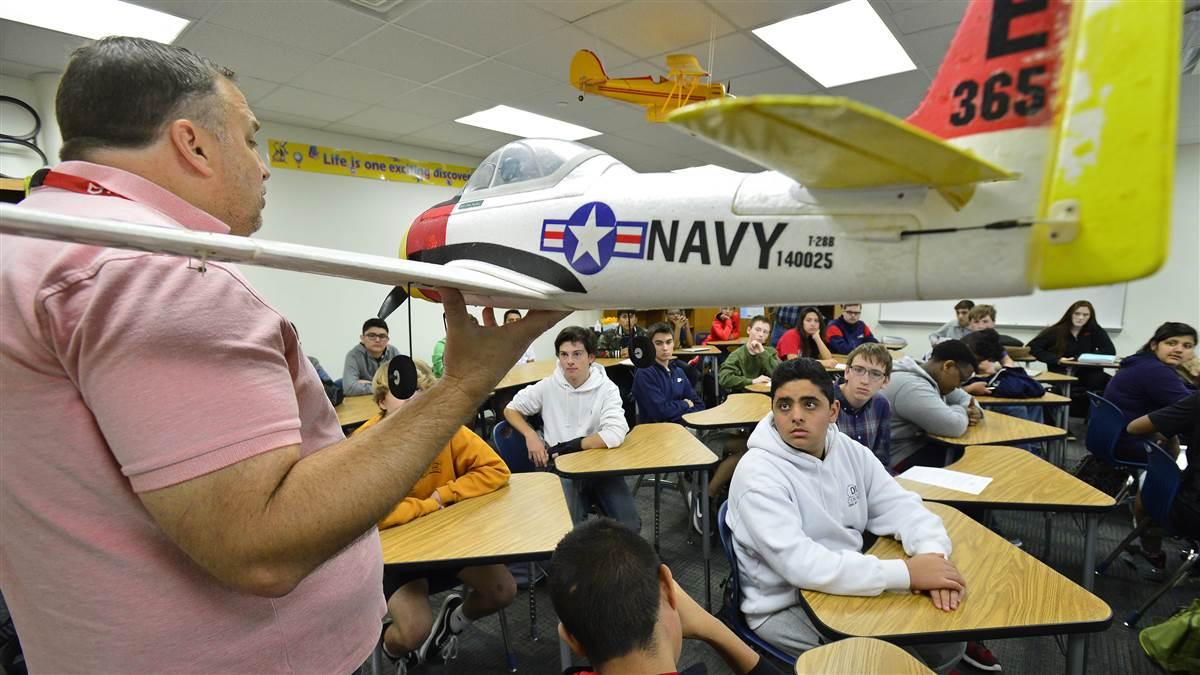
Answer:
(981, 317)
(926, 399)
(619, 607)
(615, 343)
(662, 390)
(804, 339)
(846, 332)
(953, 330)
(794, 527)
(1148, 381)
(866, 415)
(998, 375)
(513, 316)
(581, 409)
(783, 319)
(751, 363)
(371, 352)
(681, 328)
(726, 325)
(1076, 333)
(466, 467)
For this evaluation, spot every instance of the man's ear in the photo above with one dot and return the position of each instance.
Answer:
(666, 586)
(193, 145)
(571, 641)
(834, 410)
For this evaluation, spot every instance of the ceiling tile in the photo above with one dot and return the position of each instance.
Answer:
(188, 9)
(409, 55)
(637, 156)
(434, 102)
(362, 132)
(594, 112)
(451, 134)
(34, 46)
(497, 82)
(912, 16)
(346, 80)
(292, 119)
(783, 80)
(573, 10)
(884, 90)
(254, 89)
(482, 27)
(733, 55)
(759, 13)
(551, 54)
(484, 147)
(309, 103)
(397, 122)
(929, 47)
(251, 55)
(645, 28)
(320, 27)
(711, 154)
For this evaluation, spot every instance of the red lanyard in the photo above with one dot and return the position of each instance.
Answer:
(65, 181)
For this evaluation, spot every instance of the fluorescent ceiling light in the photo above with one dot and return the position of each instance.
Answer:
(526, 124)
(839, 44)
(95, 18)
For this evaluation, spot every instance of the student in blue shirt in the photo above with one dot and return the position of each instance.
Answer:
(663, 391)
(866, 415)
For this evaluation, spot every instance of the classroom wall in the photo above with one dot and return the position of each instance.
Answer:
(1171, 294)
(16, 160)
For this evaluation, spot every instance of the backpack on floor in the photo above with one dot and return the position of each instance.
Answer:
(1174, 643)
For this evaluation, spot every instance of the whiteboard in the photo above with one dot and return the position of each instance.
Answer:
(1029, 311)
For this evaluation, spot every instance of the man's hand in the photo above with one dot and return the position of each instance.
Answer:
(974, 414)
(978, 389)
(932, 571)
(696, 623)
(755, 347)
(689, 403)
(492, 349)
(946, 599)
(537, 450)
(762, 379)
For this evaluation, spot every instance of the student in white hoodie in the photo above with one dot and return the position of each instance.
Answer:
(581, 410)
(799, 503)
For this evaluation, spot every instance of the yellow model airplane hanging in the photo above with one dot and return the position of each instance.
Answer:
(682, 86)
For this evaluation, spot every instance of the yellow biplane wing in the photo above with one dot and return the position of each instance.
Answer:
(828, 142)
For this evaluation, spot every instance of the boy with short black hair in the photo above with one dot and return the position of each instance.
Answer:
(662, 390)
(866, 415)
(513, 316)
(926, 398)
(364, 359)
(799, 504)
(751, 363)
(619, 606)
(615, 343)
(846, 332)
(954, 330)
(581, 409)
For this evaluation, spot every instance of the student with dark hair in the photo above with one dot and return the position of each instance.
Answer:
(783, 319)
(619, 607)
(662, 390)
(751, 363)
(1148, 380)
(726, 325)
(681, 327)
(615, 343)
(926, 399)
(513, 316)
(847, 332)
(795, 528)
(365, 357)
(953, 330)
(1177, 420)
(580, 409)
(804, 339)
(1077, 332)
(997, 374)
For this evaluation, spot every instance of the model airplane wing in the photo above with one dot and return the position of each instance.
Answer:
(279, 255)
(827, 142)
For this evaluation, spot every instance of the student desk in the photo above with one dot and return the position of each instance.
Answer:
(706, 352)
(1061, 405)
(728, 345)
(650, 448)
(1072, 364)
(1009, 594)
(998, 429)
(759, 389)
(355, 410)
(738, 411)
(534, 371)
(860, 656)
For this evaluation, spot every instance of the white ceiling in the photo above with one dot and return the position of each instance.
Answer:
(407, 75)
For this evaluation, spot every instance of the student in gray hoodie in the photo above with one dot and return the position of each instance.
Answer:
(926, 399)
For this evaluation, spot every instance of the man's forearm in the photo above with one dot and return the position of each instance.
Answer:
(593, 441)
(518, 422)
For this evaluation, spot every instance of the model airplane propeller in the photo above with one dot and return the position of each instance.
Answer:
(1040, 157)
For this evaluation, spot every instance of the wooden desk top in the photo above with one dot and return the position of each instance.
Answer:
(998, 429)
(1052, 377)
(859, 655)
(1045, 399)
(1009, 594)
(739, 410)
(649, 448)
(1115, 363)
(759, 389)
(522, 521)
(356, 409)
(708, 350)
(729, 345)
(1020, 481)
(528, 373)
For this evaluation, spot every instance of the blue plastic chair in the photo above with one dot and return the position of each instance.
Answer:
(1106, 424)
(736, 621)
(1163, 480)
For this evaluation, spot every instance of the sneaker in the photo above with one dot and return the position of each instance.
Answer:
(1152, 567)
(697, 516)
(981, 657)
(442, 643)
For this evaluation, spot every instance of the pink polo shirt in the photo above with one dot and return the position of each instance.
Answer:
(124, 372)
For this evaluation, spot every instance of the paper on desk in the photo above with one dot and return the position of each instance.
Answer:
(626, 362)
(698, 348)
(953, 480)
(839, 366)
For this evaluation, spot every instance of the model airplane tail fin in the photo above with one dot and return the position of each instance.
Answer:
(586, 69)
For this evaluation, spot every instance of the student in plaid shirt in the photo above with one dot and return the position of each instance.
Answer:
(866, 415)
(785, 318)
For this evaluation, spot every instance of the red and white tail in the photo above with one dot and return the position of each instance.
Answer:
(1001, 71)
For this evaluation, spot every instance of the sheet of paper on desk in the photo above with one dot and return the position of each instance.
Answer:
(953, 480)
(698, 348)
(626, 362)
(839, 366)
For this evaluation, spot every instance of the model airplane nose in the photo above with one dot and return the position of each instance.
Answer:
(428, 231)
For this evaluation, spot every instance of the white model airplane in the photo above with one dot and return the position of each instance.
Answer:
(1041, 157)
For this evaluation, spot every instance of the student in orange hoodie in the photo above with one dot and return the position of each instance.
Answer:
(467, 467)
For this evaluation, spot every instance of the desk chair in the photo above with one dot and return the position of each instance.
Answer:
(733, 598)
(1106, 424)
(1163, 479)
(511, 448)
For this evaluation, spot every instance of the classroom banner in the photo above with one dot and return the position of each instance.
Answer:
(319, 159)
